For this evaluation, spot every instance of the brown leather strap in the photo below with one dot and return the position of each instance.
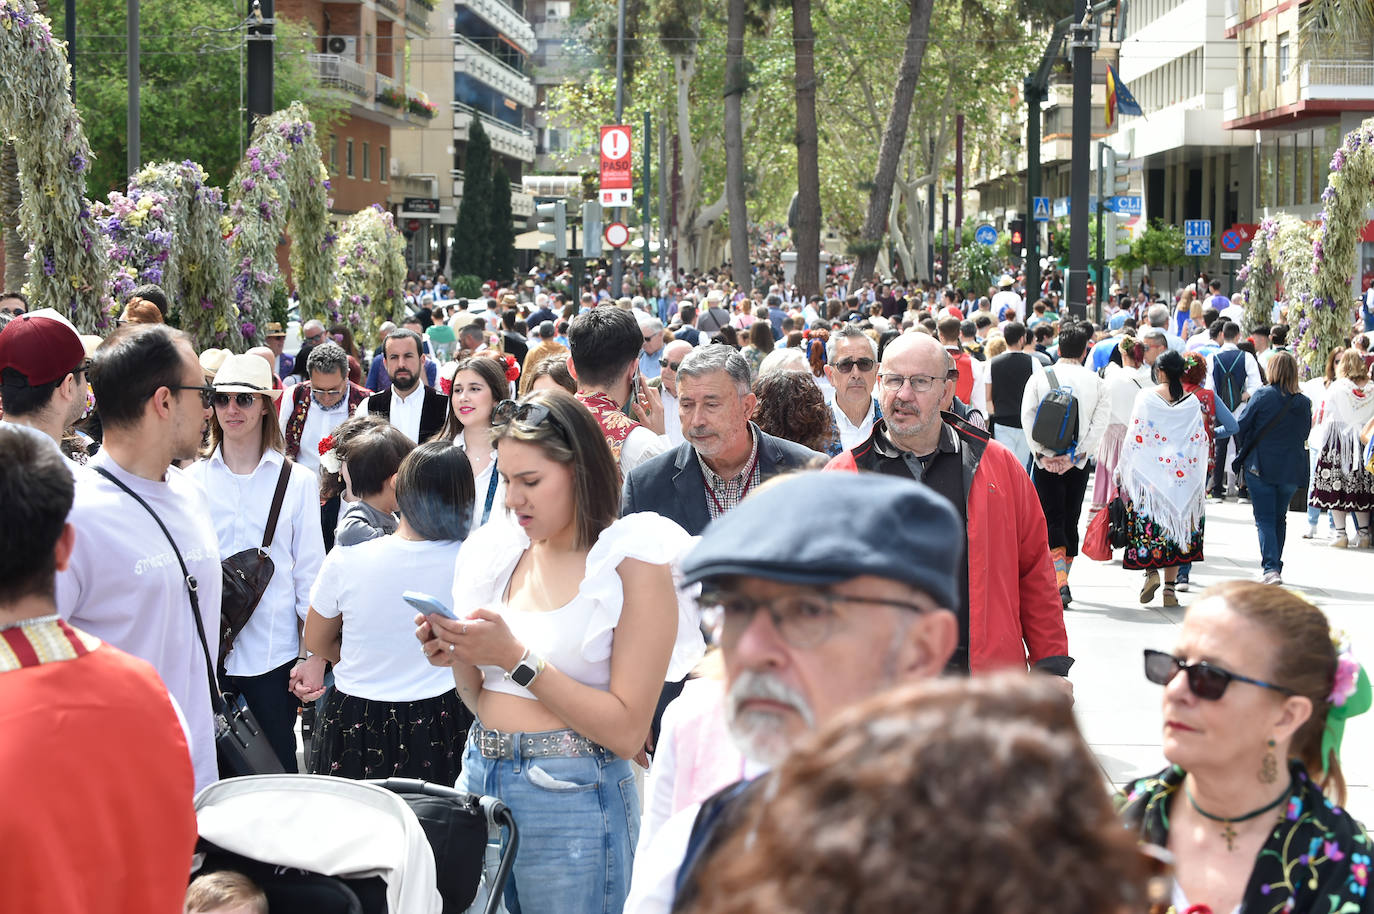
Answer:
(277, 498)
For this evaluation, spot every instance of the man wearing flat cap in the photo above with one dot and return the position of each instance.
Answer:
(810, 620)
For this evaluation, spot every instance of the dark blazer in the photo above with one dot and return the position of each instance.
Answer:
(433, 411)
(671, 484)
(1280, 456)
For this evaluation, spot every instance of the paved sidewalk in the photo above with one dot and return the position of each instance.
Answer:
(1119, 710)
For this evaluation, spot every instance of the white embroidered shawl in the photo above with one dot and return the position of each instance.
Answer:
(1163, 463)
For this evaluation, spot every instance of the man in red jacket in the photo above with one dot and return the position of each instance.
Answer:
(1011, 612)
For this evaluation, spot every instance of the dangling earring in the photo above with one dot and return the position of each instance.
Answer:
(1269, 767)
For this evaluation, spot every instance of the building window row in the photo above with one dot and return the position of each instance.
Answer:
(1176, 81)
(1292, 167)
(1256, 73)
(1142, 12)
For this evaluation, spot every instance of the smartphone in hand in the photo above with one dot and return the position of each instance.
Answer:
(426, 604)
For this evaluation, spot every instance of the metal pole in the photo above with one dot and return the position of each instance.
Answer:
(1080, 150)
(131, 115)
(662, 192)
(648, 223)
(259, 62)
(1101, 255)
(930, 217)
(617, 214)
(70, 28)
(1034, 96)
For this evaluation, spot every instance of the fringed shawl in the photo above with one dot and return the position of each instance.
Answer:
(1163, 463)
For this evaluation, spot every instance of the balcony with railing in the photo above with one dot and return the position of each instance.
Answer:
(1336, 79)
(391, 6)
(342, 73)
(471, 59)
(417, 14)
(505, 20)
(521, 203)
(508, 140)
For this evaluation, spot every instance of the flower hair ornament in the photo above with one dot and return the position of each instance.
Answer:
(512, 369)
(329, 455)
(1350, 697)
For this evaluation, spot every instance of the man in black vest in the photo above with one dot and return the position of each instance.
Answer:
(414, 408)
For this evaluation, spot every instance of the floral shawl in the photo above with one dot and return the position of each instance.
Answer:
(1316, 861)
(1343, 414)
(1163, 463)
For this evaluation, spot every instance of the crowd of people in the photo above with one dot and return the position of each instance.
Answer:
(519, 546)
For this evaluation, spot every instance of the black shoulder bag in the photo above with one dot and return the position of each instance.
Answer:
(241, 745)
(246, 575)
(1239, 462)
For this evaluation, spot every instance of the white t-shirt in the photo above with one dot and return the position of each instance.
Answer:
(238, 508)
(379, 659)
(125, 587)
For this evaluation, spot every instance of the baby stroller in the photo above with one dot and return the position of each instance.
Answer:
(323, 845)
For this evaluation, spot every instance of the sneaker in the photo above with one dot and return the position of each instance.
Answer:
(1340, 542)
(1243, 495)
(1219, 496)
(1271, 577)
(1170, 599)
(1065, 596)
(1311, 533)
(1147, 590)
(1182, 585)
(1364, 541)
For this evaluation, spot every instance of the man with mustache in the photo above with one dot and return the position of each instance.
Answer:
(1009, 610)
(810, 620)
(416, 409)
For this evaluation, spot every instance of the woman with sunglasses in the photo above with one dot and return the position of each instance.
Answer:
(1250, 805)
(479, 383)
(244, 462)
(567, 625)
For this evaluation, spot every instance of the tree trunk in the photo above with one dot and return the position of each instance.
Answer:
(807, 236)
(894, 137)
(736, 80)
(16, 270)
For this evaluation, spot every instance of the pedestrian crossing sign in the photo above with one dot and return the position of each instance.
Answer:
(1041, 211)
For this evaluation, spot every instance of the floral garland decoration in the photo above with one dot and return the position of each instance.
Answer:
(372, 270)
(329, 454)
(1279, 268)
(196, 274)
(281, 180)
(68, 266)
(1259, 282)
(138, 230)
(1320, 328)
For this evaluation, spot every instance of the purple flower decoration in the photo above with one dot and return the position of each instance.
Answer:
(79, 163)
(248, 329)
(1333, 851)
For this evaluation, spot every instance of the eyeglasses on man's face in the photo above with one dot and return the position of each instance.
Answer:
(921, 383)
(207, 393)
(802, 620)
(315, 338)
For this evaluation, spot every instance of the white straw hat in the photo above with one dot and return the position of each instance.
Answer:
(245, 373)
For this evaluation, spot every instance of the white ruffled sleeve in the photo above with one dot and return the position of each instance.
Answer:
(651, 538)
(484, 564)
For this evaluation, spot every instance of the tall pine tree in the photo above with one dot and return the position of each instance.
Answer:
(472, 243)
(502, 228)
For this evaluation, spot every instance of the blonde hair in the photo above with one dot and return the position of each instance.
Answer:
(1353, 367)
(224, 889)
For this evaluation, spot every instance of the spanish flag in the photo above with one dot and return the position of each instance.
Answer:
(1119, 97)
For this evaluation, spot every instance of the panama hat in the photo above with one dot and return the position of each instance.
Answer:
(245, 373)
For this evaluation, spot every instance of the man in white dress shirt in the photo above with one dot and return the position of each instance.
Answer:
(672, 356)
(414, 408)
(853, 372)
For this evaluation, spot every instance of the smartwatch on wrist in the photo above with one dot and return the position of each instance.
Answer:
(526, 671)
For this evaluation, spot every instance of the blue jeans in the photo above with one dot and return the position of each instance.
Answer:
(1015, 441)
(1270, 506)
(579, 822)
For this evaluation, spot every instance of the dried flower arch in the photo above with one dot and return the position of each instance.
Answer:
(1279, 265)
(372, 269)
(281, 183)
(53, 155)
(1349, 191)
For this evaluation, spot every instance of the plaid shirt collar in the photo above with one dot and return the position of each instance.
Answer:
(723, 494)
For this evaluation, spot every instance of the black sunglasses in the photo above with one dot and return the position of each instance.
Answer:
(845, 366)
(244, 400)
(1206, 681)
(527, 415)
(671, 366)
(207, 393)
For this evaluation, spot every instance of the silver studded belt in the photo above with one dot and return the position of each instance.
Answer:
(494, 744)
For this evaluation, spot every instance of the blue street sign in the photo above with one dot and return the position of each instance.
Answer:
(1042, 209)
(985, 234)
(1197, 228)
(1125, 205)
(1197, 247)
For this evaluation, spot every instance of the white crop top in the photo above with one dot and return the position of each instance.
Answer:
(577, 637)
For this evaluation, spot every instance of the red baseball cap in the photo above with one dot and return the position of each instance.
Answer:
(41, 345)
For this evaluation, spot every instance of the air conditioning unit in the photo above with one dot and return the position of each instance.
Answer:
(395, 168)
(557, 9)
(346, 46)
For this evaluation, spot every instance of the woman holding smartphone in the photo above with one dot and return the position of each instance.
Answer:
(568, 627)
(390, 714)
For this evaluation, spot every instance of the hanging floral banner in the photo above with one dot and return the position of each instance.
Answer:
(195, 272)
(281, 184)
(68, 267)
(1322, 324)
(372, 270)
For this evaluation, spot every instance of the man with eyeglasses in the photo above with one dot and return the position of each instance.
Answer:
(651, 330)
(13, 304)
(1009, 613)
(124, 584)
(666, 383)
(810, 621)
(852, 369)
(42, 374)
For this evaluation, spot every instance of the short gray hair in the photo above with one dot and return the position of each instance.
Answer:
(847, 332)
(648, 323)
(327, 357)
(1158, 315)
(1154, 333)
(706, 360)
(784, 359)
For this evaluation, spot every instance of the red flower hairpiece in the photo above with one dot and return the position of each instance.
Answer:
(326, 444)
(512, 369)
(446, 386)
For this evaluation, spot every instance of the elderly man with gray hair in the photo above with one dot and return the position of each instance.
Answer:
(1158, 316)
(652, 330)
(724, 456)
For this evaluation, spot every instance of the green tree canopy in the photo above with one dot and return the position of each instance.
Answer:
(472, 235)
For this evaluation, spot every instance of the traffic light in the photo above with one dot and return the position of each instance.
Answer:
(1116, 236)
(1017, 228)
(591, 229)
(1118, 175)
(558, 228)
